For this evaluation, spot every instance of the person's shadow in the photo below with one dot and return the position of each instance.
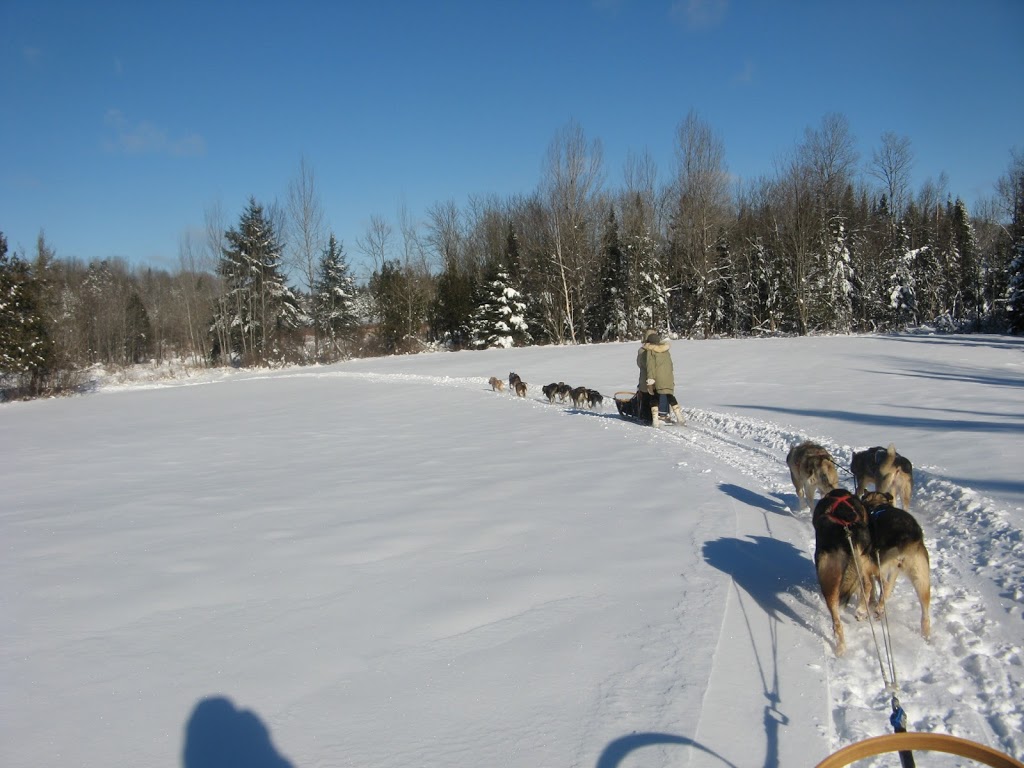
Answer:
(220, 736)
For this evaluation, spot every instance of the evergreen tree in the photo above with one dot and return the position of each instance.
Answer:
(833, 294)
(969, 278)
(1015, 288)
(500, 317)
(453, 306)
(334, 296)
(725, 302)
(400, 306)
(606, 318)
(901, 293)
(646, 294)
(259, 309)
(26, 349)
(138, 331)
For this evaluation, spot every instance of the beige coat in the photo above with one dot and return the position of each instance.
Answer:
(655, 362)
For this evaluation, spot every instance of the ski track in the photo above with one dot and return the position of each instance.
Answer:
(979, 700)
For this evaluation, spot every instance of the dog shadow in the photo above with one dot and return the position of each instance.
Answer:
(766, 569)
(218, 734)
(777, 503)
(618, 750)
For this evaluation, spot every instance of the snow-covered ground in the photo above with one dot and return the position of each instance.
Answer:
(383, 563)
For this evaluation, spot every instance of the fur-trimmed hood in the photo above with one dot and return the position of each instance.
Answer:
(662, 347)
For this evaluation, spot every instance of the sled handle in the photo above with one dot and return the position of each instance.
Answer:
(927, 742)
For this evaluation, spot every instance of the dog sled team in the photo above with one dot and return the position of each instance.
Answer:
(654, 402)
(580, 397)
(862, 539)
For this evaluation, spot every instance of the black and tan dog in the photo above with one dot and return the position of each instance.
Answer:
(842, 556)
(512, 379)
(886, 471)
(812, 469)
(595, 398)
(550, 391)
(578, 395)
(897, 544)
(563, 390)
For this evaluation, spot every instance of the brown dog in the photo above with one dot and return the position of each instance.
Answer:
(842, 556)
(512, 379)
(886, 471)
(497, 385)
(521, 388)
(897, 544)
(812, 469)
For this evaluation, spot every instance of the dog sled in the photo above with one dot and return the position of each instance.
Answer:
(922, 742)
(636, 406)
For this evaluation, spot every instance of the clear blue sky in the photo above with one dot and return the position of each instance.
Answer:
(124, 121)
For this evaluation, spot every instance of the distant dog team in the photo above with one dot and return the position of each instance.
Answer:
(580, 397)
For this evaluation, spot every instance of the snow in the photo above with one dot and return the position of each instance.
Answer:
(385, 563)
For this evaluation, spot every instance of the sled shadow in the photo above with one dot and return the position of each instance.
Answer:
(217, 735)
(617, 751)
(765, 569)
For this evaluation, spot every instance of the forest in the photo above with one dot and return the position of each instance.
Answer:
(831, 242)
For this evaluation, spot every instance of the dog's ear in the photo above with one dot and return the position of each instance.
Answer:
(889, 498)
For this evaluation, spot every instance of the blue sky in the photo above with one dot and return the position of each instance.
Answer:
(125, 121)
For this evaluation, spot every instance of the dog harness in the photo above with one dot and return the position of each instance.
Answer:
(832, 509)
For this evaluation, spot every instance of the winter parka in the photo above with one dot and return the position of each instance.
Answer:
(655, 362)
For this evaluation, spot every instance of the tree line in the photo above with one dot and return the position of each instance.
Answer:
(828, 243)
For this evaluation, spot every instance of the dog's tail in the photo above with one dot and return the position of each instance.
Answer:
(889, 462)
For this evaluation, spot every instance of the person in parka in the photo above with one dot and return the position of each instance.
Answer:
(657, 376)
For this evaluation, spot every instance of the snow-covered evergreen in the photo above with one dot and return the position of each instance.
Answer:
(257, 306)
(334, 293)
(500, 318)
(26, 348)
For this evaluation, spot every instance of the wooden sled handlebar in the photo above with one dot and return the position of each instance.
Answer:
(927, 742)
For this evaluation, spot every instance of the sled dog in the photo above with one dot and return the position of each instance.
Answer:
(897, 544)
(886, 471)
(550, 391)
(842, 556)
(579, 397)
(521, 388)
(812, 469)
(512, 379)
(497, 385)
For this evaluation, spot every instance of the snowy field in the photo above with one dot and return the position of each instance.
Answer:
(382, 563)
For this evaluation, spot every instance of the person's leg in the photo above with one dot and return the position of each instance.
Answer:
(663, 405)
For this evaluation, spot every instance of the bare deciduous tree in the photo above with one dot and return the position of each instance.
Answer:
(700, 212)
(573, 178)
(375, 243)
(891, 164)
(445, 233)
(307, 241)
(830, 154)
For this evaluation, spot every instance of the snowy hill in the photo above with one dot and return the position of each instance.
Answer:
(384, 563)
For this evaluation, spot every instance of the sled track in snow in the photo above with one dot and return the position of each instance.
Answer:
(964, 638)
